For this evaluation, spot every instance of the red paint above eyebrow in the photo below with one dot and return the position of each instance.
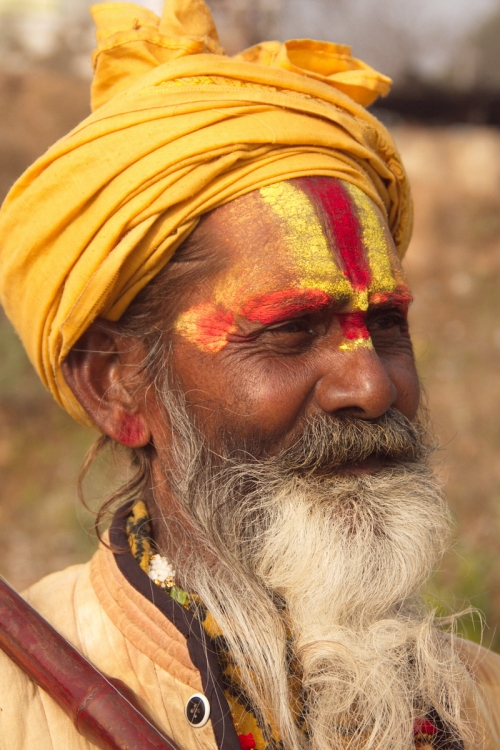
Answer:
(343, 224)
(276, 306)
(402, 297)
(354, 326)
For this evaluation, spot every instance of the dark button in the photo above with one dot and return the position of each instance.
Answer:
(197, 710)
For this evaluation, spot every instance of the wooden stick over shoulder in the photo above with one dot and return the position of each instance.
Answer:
(100, 712)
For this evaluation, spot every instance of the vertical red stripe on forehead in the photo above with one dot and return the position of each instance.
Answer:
(343, 225)
(354, 326)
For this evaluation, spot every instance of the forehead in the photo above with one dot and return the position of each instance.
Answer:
(290, 249)
(304, 231)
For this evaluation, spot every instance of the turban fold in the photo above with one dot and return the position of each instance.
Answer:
(178, 128)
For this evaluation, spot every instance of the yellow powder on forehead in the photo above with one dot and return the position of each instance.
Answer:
(374, 241)
(304, 235)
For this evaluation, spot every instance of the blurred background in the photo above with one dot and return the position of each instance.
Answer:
(444, 113)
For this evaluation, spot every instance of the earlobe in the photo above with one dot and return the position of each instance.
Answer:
(133, 431)
(103, 371)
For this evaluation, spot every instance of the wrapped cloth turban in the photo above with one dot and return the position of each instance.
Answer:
(178, 128)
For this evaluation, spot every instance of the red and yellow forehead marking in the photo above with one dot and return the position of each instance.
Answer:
(334, 248)
(305, 237)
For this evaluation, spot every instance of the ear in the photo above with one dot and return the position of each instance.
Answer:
(104, 372)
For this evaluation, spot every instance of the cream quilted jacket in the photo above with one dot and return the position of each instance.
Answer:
(113, 614)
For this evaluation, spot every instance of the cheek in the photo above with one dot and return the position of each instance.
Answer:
(271, 395)
(250, 398)
(403, 374)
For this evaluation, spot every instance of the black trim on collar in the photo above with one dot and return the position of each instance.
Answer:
(199, 645)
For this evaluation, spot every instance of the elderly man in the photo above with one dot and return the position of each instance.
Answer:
(208, 270)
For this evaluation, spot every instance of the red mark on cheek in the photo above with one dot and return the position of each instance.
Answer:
(274, 307)
(131, 431)
(214, 327)
(207, 326)
(354, 326)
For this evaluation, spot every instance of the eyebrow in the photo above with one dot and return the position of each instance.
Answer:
(273, 307)
(402, 297)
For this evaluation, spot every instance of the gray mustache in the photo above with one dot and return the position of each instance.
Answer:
(332, 442)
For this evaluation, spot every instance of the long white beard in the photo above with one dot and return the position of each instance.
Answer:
(348, 564)
(345, 557)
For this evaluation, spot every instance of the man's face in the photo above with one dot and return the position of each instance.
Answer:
(305, 315)
(288, 483)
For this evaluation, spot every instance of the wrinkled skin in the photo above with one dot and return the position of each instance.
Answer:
(319, 351)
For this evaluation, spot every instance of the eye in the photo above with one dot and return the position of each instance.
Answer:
(290, 336)
(387, 320)
(292, 326)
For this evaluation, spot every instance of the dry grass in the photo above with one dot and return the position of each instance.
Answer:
(454, 266)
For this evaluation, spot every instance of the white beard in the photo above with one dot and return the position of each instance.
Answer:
(348, 564)
(346, 556)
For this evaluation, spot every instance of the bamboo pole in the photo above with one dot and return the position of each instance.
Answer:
(99, 711)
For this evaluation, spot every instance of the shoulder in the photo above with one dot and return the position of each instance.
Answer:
(56, 584)
(62, 597)
(28, 717)
(126, 637)
(484, 667)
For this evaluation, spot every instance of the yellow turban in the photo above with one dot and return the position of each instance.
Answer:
(178, 128)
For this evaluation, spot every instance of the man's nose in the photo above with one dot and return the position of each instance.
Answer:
(357, 383)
